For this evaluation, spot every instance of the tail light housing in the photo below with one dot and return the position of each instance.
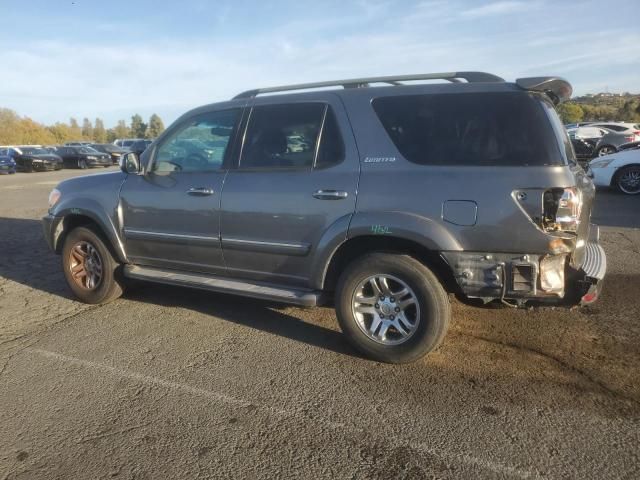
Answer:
(561, 209)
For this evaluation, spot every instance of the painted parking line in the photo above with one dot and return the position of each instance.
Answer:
(447, 456)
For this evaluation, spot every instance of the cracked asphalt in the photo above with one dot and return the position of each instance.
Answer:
(173, 383)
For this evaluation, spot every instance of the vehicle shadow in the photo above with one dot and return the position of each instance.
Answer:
(26, 259)
(614, 209)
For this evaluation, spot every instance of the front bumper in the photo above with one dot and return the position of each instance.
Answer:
(46, 166)
(52, 229)
(101, 162)
(6, 169)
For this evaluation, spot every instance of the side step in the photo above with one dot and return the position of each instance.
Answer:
(201, 281)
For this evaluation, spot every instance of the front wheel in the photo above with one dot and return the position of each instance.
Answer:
(82, 164)
(89, 267)
(392, 308)
(628, 180)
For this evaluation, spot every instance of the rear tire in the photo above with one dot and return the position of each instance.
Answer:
(89, 267)
(397, 327)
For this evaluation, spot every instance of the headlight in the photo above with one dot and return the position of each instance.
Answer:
(54, 196)
(552, 273)
(601, 163)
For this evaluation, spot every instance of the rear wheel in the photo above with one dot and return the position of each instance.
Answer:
(605, 150)
(392, 308)
(89, 267)
(628, 180)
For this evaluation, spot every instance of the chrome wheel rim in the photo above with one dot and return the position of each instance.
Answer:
(629, 181)
(85, 265)
(386, 309)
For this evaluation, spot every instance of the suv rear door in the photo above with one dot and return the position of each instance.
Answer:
(293, 192)
(171, 211)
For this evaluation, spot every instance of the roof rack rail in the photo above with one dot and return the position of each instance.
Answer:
(364, 82)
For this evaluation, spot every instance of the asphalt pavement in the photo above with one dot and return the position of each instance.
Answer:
(173, 383)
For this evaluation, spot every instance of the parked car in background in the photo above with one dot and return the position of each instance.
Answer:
(584, 140)
(629, 146)
(110, 149)
(83, 157)
(7, 164)
(125, 142)
(33, 158)
(619, 134)
(604, 140)
(620, 170)
(405, 194)
(77, 144)
(139, 146)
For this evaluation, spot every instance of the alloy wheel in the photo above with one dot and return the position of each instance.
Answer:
(85, 265)
(386, 309)
(629, 181)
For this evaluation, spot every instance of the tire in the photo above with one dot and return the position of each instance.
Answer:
(85, 241)
(28, 167)
(605, 150)
(425, 321)
(82, 164)
(627, 180)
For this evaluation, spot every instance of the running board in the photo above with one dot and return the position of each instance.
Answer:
(201, 281)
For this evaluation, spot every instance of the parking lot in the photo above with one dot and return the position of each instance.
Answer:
(174, 383)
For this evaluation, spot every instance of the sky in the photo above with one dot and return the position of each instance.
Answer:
(113, 58)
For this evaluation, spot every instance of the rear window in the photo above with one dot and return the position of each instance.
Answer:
(508, 129)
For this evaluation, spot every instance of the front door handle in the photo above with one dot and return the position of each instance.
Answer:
(330, 194)
(200, 191)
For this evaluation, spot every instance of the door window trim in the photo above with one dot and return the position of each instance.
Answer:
(238, 163)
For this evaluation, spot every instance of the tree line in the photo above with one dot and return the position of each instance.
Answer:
(601, 107)
(17, 130)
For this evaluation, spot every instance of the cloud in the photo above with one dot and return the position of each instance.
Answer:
(496, 8)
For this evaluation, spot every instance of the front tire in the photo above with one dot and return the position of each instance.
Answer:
(628, 180)
(392, 308)
(89, 268)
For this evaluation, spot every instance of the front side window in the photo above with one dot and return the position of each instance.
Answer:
(508, 128)
(199, 145)
(282, 136)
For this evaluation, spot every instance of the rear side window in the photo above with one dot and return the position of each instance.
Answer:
(508, 129)
(282, 136)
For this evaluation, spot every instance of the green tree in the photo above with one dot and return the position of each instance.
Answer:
(99, 133)
(570, 112)
(87, 129)
(121, 130)
(138, 127)
(155, 128)
(61, 132)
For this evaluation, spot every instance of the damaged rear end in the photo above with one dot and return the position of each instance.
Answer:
(552, 254)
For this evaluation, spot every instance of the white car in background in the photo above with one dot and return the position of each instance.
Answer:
(620, 170)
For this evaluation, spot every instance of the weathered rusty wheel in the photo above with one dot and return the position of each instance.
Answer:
(89, 267)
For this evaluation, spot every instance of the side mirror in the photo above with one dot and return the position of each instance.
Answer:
(130, 163)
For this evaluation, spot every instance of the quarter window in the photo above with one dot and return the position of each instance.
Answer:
(200, 145)
(509, 129)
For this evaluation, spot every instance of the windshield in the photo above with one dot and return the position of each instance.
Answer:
(34, 151)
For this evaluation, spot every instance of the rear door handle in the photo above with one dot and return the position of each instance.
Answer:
(200, 191)
(330, 194)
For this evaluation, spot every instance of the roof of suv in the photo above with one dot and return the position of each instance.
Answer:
(556, 88)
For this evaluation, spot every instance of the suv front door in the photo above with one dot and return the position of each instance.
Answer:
(171, 212)
(293, 191)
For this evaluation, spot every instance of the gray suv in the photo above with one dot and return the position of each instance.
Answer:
(380, 200)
